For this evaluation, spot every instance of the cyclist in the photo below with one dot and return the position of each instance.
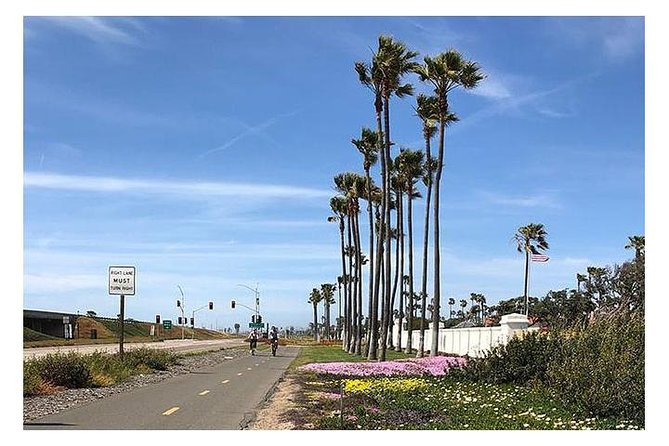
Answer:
(253, 341)
(274, 339)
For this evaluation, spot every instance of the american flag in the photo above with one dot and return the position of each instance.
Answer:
(539, 258)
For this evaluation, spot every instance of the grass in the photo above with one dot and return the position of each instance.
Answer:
(429, 402)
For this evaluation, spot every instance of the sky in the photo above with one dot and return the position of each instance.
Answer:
(201, 150)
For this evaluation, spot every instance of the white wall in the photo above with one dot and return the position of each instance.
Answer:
(473, 341)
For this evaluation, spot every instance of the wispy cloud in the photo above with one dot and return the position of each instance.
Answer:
(97, 29)
(249, 131)
(531, 201)
(183, 189)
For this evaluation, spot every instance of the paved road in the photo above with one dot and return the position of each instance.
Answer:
(177, 345)
(224, 396)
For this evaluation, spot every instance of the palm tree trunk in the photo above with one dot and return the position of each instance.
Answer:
(358, 253)
(437, 257)
(426, 235)
(388, 267)
(315, 321)
(399, 264)
(381, 234)
(410, 313)
(371, 326)
(350, 315)
(343, 278)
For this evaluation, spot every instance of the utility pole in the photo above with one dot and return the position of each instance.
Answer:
(182, 306)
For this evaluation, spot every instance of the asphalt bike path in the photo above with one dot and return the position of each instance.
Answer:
(224, 396)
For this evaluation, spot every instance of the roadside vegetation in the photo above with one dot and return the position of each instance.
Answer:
(53, 372)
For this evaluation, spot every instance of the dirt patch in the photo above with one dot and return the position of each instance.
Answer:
(284, 409)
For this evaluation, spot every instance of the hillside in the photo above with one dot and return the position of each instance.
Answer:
(103, 330)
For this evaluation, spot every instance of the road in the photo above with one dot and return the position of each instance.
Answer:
(224, 396)
(177, 345)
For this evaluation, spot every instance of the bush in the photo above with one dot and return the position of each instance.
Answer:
(602, 370)
(64, 370)
(522, 360)
(148, 357)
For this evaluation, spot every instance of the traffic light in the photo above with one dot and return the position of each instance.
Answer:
(192, 322)
(178, 303)
(233, 304)
(211, 305)
(259, 319)
(253, 319)
(180, 320)
(157, 319)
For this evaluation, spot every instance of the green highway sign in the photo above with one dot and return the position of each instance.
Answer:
(256, 324)
(167, 324)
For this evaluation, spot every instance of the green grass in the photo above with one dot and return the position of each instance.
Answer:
(35, 336)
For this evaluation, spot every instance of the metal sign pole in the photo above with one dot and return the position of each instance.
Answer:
(120, 345)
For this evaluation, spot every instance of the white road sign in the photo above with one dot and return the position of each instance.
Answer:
(122, 280)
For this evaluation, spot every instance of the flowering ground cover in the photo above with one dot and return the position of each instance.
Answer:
(419, 394)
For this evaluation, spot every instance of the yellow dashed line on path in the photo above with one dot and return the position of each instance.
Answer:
(249, 368)
(225, 382)
(239, 374)
(170, 411)
(204, 392)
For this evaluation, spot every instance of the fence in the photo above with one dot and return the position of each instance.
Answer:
(471, 341)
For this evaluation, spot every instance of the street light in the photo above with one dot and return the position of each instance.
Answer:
(257, 294)
(210, 305)
(182, 306)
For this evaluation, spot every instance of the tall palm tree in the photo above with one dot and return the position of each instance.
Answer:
(638, 244)
(368, 146)
(451, 302)
(530, 239)
(353, 186)
(327, 294)
(427, 112)
(394, 61)
(445, 72)
(314, 299)
(411, 168)
(339, 207)
(463, 305)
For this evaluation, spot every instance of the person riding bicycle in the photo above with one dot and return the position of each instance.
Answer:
(253, 341)
(274, 340)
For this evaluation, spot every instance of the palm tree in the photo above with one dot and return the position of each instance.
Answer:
(451, 302)
(394, 61)
(638, 244)
(530, 239)
(411, 168)
(327, 294)
(368, 146)
(314, 299)
(339, 207)
(463, 305)
(352, 186)
(444, 72)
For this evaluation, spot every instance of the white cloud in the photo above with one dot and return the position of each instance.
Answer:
(183, 189)
(97, 29)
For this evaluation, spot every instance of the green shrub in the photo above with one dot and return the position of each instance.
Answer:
(66, 370)
(522, 360)
(602, 370)
(32, 381)
(151, 358)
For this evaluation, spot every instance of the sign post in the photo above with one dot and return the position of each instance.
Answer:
(122, 282)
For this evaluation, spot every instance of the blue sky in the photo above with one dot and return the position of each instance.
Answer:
(202, 150)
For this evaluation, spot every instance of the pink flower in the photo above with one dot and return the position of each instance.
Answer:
(433, 365)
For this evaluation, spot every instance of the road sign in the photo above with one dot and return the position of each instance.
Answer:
(256, 325)
(167, 324)
(122, 280)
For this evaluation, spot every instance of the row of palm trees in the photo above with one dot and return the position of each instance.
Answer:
(393, 289)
